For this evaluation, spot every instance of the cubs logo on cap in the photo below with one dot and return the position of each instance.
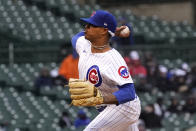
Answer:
(123, 72)
(94, 12)
(93, 75)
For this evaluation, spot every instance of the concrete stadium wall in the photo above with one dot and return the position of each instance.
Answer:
(173, 11)
(166, 11)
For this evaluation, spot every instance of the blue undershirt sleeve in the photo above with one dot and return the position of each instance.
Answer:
(75, 38)
(125, 93)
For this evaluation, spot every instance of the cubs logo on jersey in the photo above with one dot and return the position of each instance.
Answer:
(93, 75)
(123, 72)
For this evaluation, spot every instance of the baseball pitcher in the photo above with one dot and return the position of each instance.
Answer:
(104, 80)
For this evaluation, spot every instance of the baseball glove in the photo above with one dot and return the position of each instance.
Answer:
(83, 93)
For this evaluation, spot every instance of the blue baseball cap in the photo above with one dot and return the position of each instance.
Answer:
(104, 19)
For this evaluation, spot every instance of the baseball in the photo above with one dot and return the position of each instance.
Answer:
(125, 31)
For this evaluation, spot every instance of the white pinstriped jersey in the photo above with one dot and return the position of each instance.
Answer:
(110, 65)
(107, 71)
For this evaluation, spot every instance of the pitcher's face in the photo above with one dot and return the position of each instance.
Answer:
(93, 32)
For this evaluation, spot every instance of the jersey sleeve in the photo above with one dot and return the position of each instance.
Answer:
(117, 71)
(79, 43)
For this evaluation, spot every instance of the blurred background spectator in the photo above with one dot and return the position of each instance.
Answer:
(141, 125)
(159, 107)
(64, 120)
(143, 85)
(69, 66)
(136, 68)
(191, 80)
(43, 80)
(175, 106)
(161, 79)
(3, 126)
(82, 120)
(190, 105)
(151, 119)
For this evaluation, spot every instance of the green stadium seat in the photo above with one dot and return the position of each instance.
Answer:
(51, 4)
